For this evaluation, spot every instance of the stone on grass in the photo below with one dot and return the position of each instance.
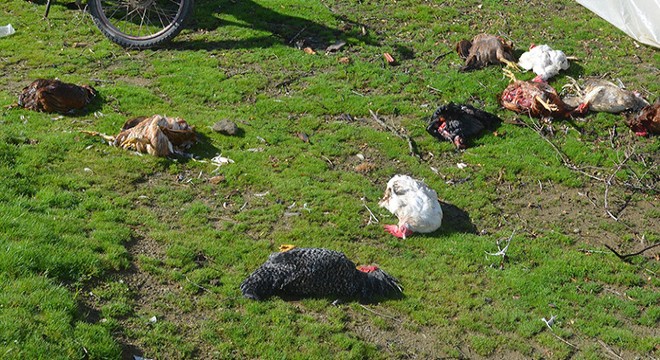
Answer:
(225, 127)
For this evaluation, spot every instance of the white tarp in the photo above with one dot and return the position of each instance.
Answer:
(638, 18)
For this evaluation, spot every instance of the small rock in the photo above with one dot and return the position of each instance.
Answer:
(302, 136)
(226, 127)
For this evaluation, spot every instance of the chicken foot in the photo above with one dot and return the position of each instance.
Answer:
(509, 74)
(108, 138)
(548, 106)
(509, 64)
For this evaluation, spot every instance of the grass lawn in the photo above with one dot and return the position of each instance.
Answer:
(106, 254)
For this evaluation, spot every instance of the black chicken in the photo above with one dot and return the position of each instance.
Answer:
(457, 123)
(318, 273)
(55, 96)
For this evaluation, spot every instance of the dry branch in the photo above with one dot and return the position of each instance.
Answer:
(411, 144)
(624, 257)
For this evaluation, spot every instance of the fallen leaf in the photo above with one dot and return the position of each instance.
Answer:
(217, 179)
(309, 51)
(365, 167)
(345, 60)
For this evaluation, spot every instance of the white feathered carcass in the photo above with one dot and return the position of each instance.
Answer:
(414, 204)
(543, 61)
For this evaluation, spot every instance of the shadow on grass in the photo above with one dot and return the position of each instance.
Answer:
(333, 300)
(203, 149)
(285, 29)
(455, 219)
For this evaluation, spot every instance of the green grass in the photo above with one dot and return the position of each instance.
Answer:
(95, 241)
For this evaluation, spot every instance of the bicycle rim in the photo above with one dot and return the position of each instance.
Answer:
(141, 19)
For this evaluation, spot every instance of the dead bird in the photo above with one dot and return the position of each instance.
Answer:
(543, 61)
(598, 94)
(156, 135)
(415, 205)
(535, 98)
(647, 121)
(485, 49)
(458, 122)
(317, 272)
(52, 95)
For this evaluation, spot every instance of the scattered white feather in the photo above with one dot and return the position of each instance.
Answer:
(221, 160)
(544, 61)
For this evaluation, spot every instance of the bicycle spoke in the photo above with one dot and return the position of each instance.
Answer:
(141, 18)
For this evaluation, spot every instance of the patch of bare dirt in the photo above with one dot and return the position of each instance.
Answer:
(581, 213)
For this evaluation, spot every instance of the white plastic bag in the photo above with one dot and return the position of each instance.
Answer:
(6, 30)
(640, 19)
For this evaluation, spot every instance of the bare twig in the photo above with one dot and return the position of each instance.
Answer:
(624, 257)
(549, 324)
(588, 198)
(411, 145)
(441, 56)
(564, 341)
(298, 34)
(502, 251)
(603, 344)
(199, 286)
(379, 314)
(563, 157)
(608, 183)
(371, 214)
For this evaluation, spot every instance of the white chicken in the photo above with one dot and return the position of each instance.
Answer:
(543, 61)
(414, 204)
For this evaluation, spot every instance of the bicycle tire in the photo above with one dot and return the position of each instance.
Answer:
(140, 24)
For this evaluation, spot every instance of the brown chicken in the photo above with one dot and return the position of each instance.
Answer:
(647, 121)
(485, 49)
(156, 135)
(537, 99)
(55, 96)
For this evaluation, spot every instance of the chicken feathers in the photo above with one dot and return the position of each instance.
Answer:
(483, 50)
(647, 121)
(414, 204)
(543, 61)
(537, 99)
(318, 272)
(457, 123)
(601, 95)
(51, 96)
(156, 135)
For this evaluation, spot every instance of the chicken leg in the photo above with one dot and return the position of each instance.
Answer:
(509, 64)
(548, 106)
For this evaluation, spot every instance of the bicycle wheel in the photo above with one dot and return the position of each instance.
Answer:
(140, 23)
